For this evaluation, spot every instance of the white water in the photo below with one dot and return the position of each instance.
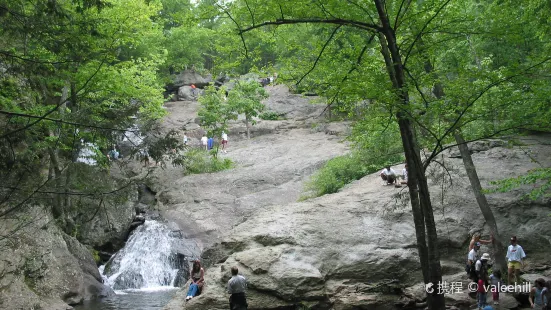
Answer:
(87, 154)
(148, 262)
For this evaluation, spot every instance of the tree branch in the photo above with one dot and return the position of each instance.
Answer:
(422, 29)
(320, 54)
(337, 21)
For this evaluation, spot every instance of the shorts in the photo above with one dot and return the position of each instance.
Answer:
(224, 141)
(388, 178)
(513, 265)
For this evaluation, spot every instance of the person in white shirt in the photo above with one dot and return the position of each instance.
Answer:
(224, 141)
(405, 175)
(472, 258)
(204, 142)
(515, 254)
(389, 175)
(185, 139)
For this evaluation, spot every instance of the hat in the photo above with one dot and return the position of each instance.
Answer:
(477, 244)
(485, 256)
(514, 238)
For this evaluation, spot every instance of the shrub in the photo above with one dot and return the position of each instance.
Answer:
(339, 171)
(270, 116)
(197, 161)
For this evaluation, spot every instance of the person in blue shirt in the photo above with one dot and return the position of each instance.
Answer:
(210, 143)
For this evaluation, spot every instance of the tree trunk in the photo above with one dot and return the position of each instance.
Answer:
(425, 227)
(499, 255)
(247, 123)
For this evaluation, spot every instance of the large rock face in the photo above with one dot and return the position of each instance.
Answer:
(356, 249)
(43, 268)
(351, 250)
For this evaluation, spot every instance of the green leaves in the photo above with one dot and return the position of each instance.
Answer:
(540, 179)
(245, 98)
(215, 112)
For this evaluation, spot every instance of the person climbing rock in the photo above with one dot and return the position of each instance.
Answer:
(197, 274)
(193, 90)
(476, 238)
(185, 139)
(236, 287)
(389, 175)
(515, 254)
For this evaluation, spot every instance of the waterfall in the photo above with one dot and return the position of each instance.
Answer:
(154, 257)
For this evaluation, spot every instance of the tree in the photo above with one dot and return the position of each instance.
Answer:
(69, 84)
(420, 46)
(246, 99)
(215, 112)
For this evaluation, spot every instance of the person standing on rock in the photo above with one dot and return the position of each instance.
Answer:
(185, 139)
(546, 293)
(210, 144)
(515, 255)
(204, 142)
(197, 274)
(224, 141)
(472, 258)
(236, 287)
(389, 175)
(481, 267)
(536, 294)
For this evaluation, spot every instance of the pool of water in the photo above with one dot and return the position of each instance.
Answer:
(131, 300)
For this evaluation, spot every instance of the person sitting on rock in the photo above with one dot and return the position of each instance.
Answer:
(476, 238)
(197, 274)
(389, 175)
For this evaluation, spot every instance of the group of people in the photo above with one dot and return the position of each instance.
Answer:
(268, 80)
(477, 268)
(208, 143)
(390, 177)
(236, 286)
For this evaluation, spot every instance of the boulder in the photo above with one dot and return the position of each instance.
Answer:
(188, 77)
(186, 93)
(107, 230)
(46, 268)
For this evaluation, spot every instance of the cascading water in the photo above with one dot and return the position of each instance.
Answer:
(152, 258)
(145, 273)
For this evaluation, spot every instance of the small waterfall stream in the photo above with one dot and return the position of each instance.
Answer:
(145, 273)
